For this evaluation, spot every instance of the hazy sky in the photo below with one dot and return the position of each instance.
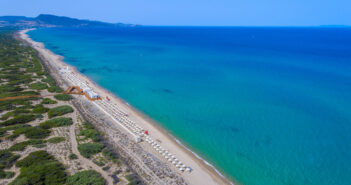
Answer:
(192, 12)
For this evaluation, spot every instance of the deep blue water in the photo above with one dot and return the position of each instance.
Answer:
(264, 105)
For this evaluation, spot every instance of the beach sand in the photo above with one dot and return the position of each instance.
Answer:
(202, 173)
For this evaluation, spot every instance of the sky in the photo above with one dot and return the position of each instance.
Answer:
(191, 12)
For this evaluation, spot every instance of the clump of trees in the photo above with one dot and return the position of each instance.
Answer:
(59, 111)
(90, 177)
(89, 149)
(40, 168)
(63, 97)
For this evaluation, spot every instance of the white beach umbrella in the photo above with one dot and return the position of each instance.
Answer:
(166, 157)
(170, 160)
(183, 166)
(188, 169)
(174, 163)
(181, 169)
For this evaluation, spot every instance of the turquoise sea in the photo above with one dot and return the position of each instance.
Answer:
(266, 106)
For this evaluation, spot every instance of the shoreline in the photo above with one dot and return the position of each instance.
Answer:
(203, 172)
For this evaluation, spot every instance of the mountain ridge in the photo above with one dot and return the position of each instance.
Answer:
(48, 20)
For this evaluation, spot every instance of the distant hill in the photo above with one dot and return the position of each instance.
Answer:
(46, 20)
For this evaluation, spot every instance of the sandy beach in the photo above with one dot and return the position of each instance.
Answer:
(201, 172)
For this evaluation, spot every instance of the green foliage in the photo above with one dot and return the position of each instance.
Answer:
(63, 97)
(40, 168)
(38, 86)
(55, 140)
(88, 177)
(16, 112)
(48, 101)
(33, 132)
(90, 133)
(49, 80)
(55, 89)
(22, 146)
(59, 111)
(56, 122)
(40, 109)
(72, 156)
(89, 149)
(19, 120)
(6, 174)
(7, 159)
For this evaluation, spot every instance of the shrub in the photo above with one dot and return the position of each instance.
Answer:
(89, 149)
(22, 146)
(55, 89)
(72, 156)
(40, 109)
(90, 133)
(7, 159)
(63, 97)
(19, 120)
(56, 122)
(37, 133)
(59, 111)
(48, 101)
(38, 86)
(49, 80)
(40, 168)
(6, 175)
(55, 140)
(90, 177)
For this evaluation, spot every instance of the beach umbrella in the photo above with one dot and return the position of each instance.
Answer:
(169, 160)
(166, 157)
(183, 166)
(174, 163)
(177, 165)
(188, 169)
(163, 154)
(181, 169)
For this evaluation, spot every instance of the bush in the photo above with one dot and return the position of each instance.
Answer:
(55, 140)
(6, 175)
(19, 120)
(72, 156)
(90, 133)
(59, 111)
(89, 177)
(37, 133)
(89, 149)
(40, 109)
(40, 168)
(22, 146)
(55, 89)
(56, 122)
(63, 97)
(38, 86)
(48, 101)
(7, 159)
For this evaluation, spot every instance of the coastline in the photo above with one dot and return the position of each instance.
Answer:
(203, 172)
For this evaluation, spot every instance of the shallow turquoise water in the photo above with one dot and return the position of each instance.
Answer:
(264, 105)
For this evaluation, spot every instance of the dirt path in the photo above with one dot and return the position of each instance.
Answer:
(84, 160)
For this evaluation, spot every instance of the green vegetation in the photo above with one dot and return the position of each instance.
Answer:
(89, 177)
(6, 174)
(55, 89)
(89, 149)
(49, 80)
(7, 159)
(33, 132)
(72, 156)
(56, 122)
(22, 146)
(89, 132)
(48, 101)
(55, 140)
(63, 97)
(40, 109)
(19, 120)
(59, 111)
(38, 86)
(40, 168)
